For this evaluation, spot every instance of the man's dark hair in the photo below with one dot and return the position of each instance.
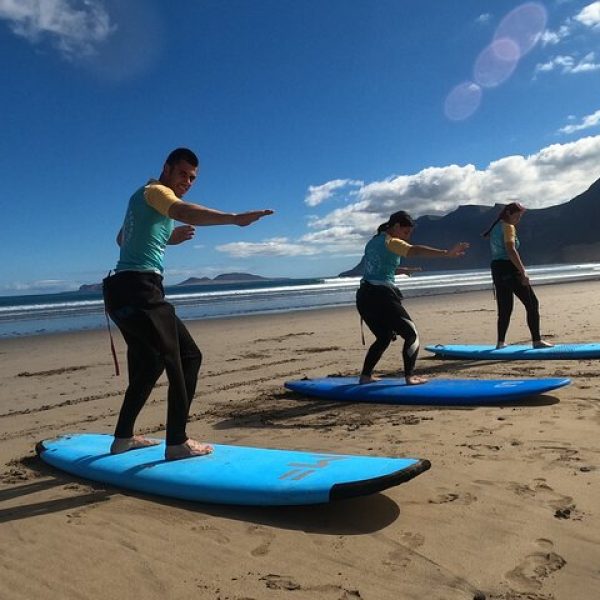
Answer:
(184, 154)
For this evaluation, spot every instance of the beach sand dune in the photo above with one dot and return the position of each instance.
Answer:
(508, 511)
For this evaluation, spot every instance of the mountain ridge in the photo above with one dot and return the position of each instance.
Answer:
(560, 234)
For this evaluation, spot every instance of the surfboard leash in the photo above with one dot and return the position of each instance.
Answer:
(112, 345)
(112, 341)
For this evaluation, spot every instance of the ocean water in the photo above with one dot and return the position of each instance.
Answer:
(77, 311)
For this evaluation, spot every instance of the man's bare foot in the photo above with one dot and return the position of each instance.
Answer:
(188, 449)
(500, 345)
(415, 380)
(121, 445)
(367, 379)
(542, 344)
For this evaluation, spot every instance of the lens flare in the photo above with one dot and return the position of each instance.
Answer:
(518, 32)
(506, 49)
(462, 101)
(496, 63)
(523, 25)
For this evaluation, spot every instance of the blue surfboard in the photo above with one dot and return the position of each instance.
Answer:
(516, 352)
(239, 475)
(438, 392)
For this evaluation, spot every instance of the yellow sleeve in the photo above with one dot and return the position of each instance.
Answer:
(160, 197)
(397, 246)
(509, 233)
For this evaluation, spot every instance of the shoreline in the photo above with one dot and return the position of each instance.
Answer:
(182, 309)
(509, 506)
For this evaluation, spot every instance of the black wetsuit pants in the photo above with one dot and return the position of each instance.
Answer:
(156, 340)
(507, 284)
(380, 307)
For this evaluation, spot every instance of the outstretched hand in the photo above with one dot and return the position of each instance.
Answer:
(181, 234)
(247, 218)
(458, 250)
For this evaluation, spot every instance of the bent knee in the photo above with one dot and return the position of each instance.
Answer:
(385, 339)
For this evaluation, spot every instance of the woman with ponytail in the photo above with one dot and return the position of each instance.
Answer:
(379, 301)
(509, 275)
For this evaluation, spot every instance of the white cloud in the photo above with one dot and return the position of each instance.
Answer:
(587, 122)
(483, 18)
(41, 286)
(272, 247)
(551, 38)
(552, 176)
(586, 64)
(76, 27)
(569, 65)
(319, 193)
(564, 62)
(590, 15)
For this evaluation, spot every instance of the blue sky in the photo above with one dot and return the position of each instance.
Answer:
(334, 113)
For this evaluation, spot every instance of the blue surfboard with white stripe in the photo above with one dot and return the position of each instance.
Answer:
(239, 475)
(438, 392)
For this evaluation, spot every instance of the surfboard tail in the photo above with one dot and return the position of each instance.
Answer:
(342, 491)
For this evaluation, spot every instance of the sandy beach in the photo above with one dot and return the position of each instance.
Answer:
(509, 509)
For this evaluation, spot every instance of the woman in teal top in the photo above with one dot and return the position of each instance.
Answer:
(379, 301)
(509, 275)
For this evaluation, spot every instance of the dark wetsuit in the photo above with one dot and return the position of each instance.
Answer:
(379, 303)
(508, 283)
(156, 340)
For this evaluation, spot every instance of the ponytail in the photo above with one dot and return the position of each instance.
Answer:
(509, 209)
(383, 227)
(487, 232)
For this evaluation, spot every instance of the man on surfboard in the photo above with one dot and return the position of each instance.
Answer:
(156, 338)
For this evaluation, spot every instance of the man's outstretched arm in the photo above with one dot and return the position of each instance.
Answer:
(195, 214)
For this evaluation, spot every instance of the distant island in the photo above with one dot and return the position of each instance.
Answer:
(223, 278)
(228, 278)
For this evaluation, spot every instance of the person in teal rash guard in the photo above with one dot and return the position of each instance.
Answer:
(509, 275)
(379, 301)
(134, 297)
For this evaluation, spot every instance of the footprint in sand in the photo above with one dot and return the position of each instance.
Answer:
(530, 573)
(212, 533)
(77, 516)
(563, 506)
(398, 559)
(268, 536)
(460, 498)
(401, 557)
(411, 540)
(280, 582)
(558, 454)
(283, 582)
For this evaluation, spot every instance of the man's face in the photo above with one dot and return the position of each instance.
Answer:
(179, 177)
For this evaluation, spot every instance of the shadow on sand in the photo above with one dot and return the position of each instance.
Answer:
(355, 516)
